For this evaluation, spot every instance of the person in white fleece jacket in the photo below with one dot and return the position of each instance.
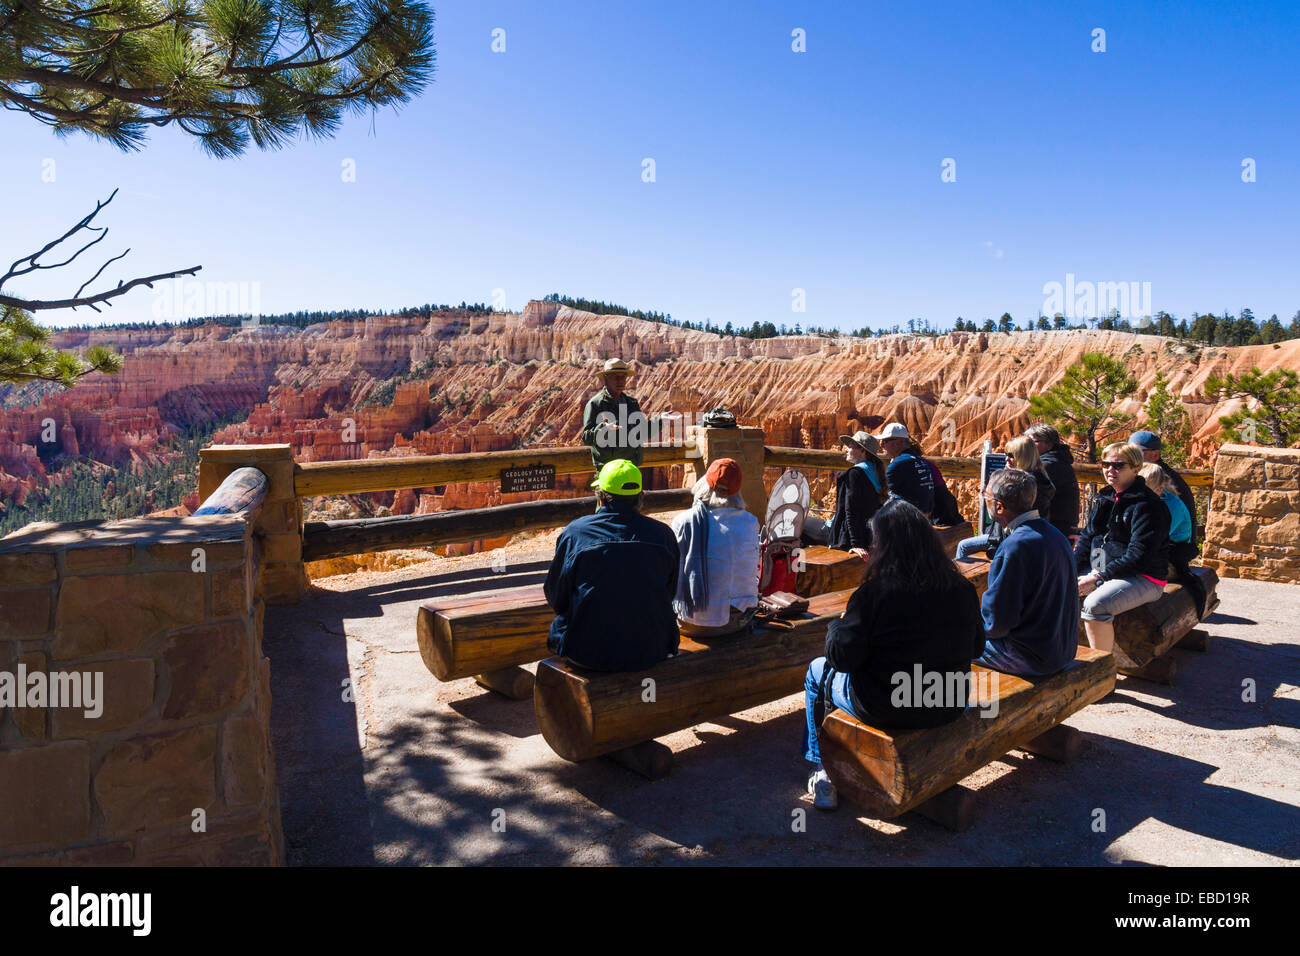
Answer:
(718, 539)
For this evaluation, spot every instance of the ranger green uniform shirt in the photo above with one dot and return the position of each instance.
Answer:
(620, 443)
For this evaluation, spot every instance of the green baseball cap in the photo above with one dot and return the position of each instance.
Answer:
(619, 477)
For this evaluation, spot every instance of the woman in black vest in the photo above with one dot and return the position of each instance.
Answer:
(859, 491)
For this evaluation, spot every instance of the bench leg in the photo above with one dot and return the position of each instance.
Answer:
(513, 682)
(650, 759)
(1061, 743)
(1161, 670)
(1196, 640)
(954, 808)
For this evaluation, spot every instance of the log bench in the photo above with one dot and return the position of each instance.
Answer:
(585, 714)
(888, 773)
(825, 569)
(485, 636)
(1144, 635)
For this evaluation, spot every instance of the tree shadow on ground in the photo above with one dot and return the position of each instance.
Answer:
(1209, 687)
(369, 601)
(1038, 812)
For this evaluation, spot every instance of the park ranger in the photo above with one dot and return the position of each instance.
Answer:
(613, 423)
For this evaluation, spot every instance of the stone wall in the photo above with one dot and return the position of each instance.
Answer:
(177, 766)
(1253, 529)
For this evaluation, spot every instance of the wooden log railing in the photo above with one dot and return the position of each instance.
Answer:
(242, 492)
(327, 539)
(427, 471)
(332, 539)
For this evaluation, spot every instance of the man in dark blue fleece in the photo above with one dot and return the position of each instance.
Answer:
(1031, 606)
(613, 580)
(908, 475)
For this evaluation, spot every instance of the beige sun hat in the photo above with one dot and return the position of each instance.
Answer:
(864, 440)
(615, 365)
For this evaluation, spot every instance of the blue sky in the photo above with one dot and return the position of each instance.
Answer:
(774, 170)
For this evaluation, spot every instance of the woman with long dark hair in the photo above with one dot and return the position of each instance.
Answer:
(913, 609)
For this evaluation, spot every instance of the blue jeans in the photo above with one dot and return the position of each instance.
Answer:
(839, 697)
(968, 546)
(999, 655)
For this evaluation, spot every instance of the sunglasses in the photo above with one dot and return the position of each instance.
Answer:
(1119, 465)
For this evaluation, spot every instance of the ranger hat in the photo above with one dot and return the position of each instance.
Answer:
(615, 365)
(619, 477)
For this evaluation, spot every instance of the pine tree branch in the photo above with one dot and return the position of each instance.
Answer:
(37, 11)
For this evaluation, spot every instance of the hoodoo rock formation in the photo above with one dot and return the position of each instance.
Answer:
(468, 382)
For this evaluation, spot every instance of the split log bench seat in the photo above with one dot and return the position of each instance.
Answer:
(485, 636)
(825, 569)
(889, 773)
(585, 714)
(1144, 635)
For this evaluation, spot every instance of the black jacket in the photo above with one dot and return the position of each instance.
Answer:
(1136, 519)
(1064, 515)
(611, 584)
(889, 628)
(909, 478)
(946, 512)
(856, 501)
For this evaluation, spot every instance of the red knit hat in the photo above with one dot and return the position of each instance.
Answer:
(724, 476)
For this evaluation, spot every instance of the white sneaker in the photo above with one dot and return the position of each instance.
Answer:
(822, 790)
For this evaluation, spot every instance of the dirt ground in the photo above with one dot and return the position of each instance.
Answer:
(379, 763)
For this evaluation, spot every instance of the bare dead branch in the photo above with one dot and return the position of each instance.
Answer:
(37, 305)
(96, 275)
(102, 230)
(31, 259)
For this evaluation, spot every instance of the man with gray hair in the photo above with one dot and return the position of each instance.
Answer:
(1031, 606)
(1058, 462)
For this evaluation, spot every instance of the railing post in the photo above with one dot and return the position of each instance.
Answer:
(278, 525)
(745, 446)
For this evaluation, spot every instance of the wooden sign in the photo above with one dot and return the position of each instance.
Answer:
(528, 478)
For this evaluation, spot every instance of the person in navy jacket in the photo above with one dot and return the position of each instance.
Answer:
(612, 581)
(908, 474)
(1031, 605)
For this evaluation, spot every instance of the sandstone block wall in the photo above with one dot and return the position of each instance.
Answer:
(1253, 530)
(184, 705)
